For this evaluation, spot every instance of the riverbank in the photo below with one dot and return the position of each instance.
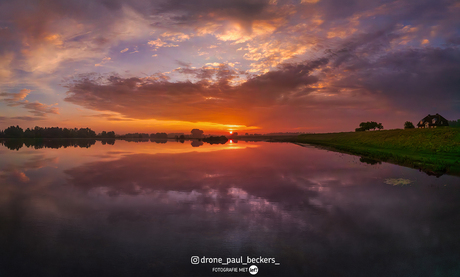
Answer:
(435, 151)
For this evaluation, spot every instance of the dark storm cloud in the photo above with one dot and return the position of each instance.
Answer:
(418, 79)
(288, 77)
(36, 17)
(244, 10)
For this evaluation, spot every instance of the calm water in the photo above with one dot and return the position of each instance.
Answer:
(144, 209)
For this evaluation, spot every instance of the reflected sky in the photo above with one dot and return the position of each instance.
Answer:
(143, 209)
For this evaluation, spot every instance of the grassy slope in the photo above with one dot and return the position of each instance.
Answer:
(432, 150)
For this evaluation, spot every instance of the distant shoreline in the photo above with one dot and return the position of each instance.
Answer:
(434, 151)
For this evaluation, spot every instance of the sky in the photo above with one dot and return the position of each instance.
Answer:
(253, 66)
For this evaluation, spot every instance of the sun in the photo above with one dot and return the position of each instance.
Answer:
(231, 132)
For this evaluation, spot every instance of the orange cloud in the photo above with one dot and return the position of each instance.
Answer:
(210, 99)
(15, 97)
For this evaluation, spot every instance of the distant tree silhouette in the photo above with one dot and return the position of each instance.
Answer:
(364, 126)
(408, 125)
(454, 123)
(53, 132)
(14, 132)
(159, 136)
(197, 133)
(105, 134)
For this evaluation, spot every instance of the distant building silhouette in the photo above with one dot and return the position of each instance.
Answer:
(432, 121)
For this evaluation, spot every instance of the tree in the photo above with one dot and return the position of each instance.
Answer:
(38, 132)
(373, 125)
(29, 133)
(408, 125)
(364, 126)
(13, 132)
(197, 133)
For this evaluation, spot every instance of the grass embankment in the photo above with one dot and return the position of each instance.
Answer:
(434, 151)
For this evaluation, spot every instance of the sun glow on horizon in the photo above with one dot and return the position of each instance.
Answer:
(132, 125)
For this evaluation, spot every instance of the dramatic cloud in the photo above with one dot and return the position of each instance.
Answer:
(290, 64)
(403, 81)
(211, 98)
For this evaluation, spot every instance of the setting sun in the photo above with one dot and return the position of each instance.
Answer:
(231, 132)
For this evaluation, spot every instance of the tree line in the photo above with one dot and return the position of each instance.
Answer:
(53, 132)
(454, 123)
(57, 132)
(144, 136)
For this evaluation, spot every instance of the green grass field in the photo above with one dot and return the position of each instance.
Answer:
(434, 151)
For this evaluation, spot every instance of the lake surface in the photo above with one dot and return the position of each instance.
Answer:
(122, 208)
